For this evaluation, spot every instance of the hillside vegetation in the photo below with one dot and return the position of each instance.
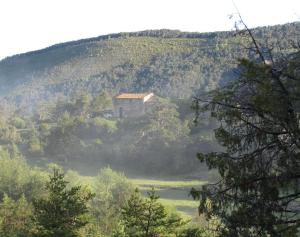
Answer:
(169, 63)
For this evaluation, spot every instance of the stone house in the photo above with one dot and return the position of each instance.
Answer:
(132, 104)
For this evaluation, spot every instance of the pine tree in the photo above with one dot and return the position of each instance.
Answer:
(62, 213)
(258, 113)
(146, 217)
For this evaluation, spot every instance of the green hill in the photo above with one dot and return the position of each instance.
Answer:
(170, 63)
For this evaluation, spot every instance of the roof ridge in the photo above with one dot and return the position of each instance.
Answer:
(132, 95)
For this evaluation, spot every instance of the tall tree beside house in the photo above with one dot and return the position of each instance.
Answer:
(62, 213)
(81, 105)
(164, 124)
(258, 190)
(101, 102)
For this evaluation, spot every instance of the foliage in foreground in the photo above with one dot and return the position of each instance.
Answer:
(62, 213)
(15, 217)
(33, 205)
(258, 191)
(146, 217)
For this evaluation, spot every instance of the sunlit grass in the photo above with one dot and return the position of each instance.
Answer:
(173, 193)
(187, 208)
(180, 203)
(167, 183)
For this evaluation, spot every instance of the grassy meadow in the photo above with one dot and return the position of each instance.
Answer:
(173, 193)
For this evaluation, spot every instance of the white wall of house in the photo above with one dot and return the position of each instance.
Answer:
(131, 107)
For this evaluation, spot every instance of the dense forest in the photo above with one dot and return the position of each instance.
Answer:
(77, 134)
(169, 63)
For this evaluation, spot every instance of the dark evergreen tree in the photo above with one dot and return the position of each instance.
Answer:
(258, 191)
(148, 217)
(62, 213)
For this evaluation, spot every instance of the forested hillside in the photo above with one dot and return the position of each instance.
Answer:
(169, 63)
(77, 135)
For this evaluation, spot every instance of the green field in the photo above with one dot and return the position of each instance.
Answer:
(174, 193)
(167, 183)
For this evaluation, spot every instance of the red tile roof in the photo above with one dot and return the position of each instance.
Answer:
(132, 96)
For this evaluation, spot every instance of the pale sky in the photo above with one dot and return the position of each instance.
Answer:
(27, 25)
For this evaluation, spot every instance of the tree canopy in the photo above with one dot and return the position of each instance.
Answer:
(146, 217)
(258, 190)
(62, 213)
